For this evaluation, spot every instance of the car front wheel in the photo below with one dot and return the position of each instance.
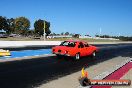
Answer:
(93, 54)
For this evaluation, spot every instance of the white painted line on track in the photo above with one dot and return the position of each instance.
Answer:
(109, 71)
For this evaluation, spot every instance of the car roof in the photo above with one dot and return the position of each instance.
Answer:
(75, 41)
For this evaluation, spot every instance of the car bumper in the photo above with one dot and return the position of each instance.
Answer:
(61, 54)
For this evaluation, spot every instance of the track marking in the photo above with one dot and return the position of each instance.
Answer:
(117, 74)
(108, 72)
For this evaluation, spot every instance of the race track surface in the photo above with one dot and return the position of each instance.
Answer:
(33, 72)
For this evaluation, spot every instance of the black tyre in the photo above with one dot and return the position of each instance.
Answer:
(59, 56)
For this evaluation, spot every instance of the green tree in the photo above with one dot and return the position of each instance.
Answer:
(39, 25)
(67, 33)
(62, 33)
(3, 23)
(11, 25)
(22, 24)
(31, 32)
(96, 35)
(76, 35)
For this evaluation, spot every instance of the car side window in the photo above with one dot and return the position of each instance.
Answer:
(80, 45)
(86, 45)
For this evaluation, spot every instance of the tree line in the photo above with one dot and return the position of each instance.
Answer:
(21, 25)
(123, 38)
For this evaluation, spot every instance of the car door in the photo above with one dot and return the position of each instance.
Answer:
(81, 49)
(87, 48)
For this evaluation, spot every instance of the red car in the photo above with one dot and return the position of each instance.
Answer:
(74, 49)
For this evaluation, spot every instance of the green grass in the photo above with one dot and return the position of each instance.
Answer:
(16, 39)
(85, 39)
(56, 39)
(100, 40)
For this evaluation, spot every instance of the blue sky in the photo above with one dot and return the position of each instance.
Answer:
(114, 17)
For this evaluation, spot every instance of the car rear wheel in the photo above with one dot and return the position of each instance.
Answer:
(77, 56)
(59, 56)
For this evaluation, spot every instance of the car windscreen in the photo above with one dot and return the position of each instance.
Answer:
(67, 43)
